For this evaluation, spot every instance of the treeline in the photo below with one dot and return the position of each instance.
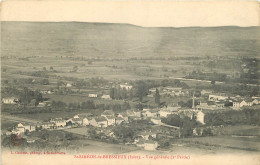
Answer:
(141, 87)
(167, 58)
(119, 93)
(242, 90)
(207, 76)
(90, 105)
(25, 95)
(246, 116)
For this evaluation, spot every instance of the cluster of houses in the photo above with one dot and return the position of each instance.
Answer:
(15, 100)
(171, 91)
(109, 118)
(94, 95)
(220, 101)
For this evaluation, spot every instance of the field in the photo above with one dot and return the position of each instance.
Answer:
(120, 51)
(242, 130)
(243, 137)
(226, 142)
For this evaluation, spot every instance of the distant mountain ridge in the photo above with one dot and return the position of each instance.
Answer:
(126, 40)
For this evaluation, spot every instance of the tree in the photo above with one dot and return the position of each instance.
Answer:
(45, 82)
(5, 81)
(157, 97)
(89, 62)
(141, 90)
(112, 93)
(75, 69)
(124, 132)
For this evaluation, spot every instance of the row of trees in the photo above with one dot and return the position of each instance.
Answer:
(25, 96)
(119, 93)
(90, 105)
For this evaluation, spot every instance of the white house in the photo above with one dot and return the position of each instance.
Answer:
(119, 120)
(79, 119)
(241, 103)
(18, 131)
(42, 104)
(111, 120)
(59, 122)
(106, 97)
(156, 120)
(200, 117)
(123, 115)
(10, 100)
(126, 86)
(150, 145)
(205, 92)
(92, 95)
(220, 104)
(150, 113)
(101, 121)
(246, 103)
(164, 113)
(256, 101)
(47, 125)
(219, 97)
(130, 113)
(108, 113)
(93, 122)
(22, 128)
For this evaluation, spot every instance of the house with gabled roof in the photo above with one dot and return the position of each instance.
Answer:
(59, 122)
(256, 101)
(130, 113)
(151, 113)
(218, 97)
(106, 97)
(108, 113)
(119, 120)
(111, 120)
(123, 115)
(21, 128)
(101, 121)
(243, 102)
(10, 100)
(93, 122)
(126, 86)
(156, 120)
(80, 119)
(47, 125)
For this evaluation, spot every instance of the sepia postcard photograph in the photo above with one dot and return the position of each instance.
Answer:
(130, 82)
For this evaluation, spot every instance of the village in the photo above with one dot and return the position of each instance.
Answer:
(159, 125)
(155, 90)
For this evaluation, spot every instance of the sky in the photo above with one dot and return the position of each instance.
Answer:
(147, 13)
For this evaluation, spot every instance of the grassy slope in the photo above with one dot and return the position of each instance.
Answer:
(122, 40)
